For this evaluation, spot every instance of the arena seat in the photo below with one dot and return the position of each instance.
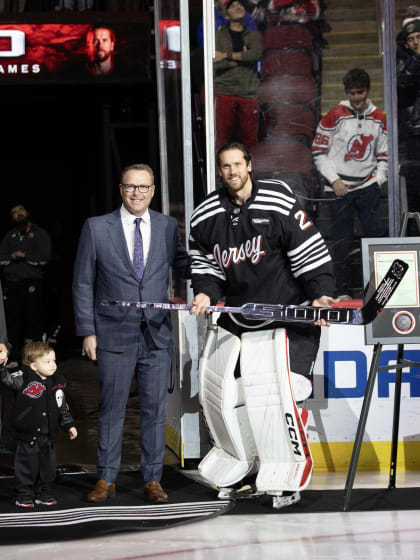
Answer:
(282, 118)
(278, 62)
(273, 158)
(289, 89)
(288, 37)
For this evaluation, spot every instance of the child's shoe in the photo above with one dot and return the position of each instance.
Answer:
(26, 503)
(45, 500)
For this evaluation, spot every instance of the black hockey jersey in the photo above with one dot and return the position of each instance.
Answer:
(266, 251)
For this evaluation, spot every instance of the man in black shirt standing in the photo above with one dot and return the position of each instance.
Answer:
(24, 253)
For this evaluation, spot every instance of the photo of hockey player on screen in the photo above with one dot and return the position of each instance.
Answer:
(100, 45)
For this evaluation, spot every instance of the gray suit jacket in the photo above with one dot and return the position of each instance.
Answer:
(104, 272)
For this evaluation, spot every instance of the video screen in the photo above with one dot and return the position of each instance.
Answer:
(74, 53)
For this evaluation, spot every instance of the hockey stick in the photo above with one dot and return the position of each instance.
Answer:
(298, 313)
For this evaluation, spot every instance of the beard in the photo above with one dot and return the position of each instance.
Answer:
(22, 223)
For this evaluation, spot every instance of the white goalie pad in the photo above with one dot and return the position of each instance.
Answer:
(283, 450)
(221, 396)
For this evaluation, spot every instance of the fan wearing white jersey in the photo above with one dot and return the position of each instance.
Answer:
(350, 152)
(252, 242)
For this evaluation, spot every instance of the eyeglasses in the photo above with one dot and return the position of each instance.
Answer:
(131, 188)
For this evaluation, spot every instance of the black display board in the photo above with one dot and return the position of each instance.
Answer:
(399, 322)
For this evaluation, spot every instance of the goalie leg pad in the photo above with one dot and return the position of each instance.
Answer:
(283, 450)
(222, 399)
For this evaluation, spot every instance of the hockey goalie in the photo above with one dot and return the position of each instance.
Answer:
(252, 241)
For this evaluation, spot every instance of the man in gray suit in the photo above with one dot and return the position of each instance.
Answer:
(126, 256)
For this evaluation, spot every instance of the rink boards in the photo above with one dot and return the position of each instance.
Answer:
(339, 382)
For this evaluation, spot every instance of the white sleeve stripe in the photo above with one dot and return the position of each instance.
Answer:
(206, 216)
(205, 258)
(276, 200)
(206, 201)
(269, 207)
(209, 271)
(204, 208)
(204, 264)
(312, 266)
(276, 182)
(309, 258)
(197, 254)
(277, 194)
(303, 245)
(314, 247)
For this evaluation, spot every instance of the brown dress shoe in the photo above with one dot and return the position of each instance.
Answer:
(102, 491)
(153, 492)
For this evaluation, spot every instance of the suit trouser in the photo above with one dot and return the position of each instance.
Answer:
(151, 367)
(35, 468)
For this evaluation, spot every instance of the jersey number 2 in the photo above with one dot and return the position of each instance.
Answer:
(303, 220)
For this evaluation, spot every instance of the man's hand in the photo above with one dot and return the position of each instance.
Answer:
(18, 255)
(200, 302)
(72, 433)
(3, 354)
(324, 301)
(90, 344)
(340, 188)
(219, 56)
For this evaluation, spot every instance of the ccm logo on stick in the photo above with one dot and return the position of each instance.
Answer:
(15, 40)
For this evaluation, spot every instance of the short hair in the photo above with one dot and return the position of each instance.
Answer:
(90, 33)
(233, 146)
(34, 350)
(356, 78)
(17, 206)
(138, 167)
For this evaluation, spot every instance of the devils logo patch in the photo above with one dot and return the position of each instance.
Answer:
(34, 390)
(359, 147)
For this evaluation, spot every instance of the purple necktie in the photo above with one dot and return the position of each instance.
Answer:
(138, 257)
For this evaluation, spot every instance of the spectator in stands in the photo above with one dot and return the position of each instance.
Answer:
(350, 152)
(100, 44)
(24, 253)
(236, 63)
(267, 13)
(220, 21)
(408, 84)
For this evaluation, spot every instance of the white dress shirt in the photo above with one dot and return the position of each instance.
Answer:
(129, 226)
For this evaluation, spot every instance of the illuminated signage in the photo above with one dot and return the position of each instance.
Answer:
(73, 52)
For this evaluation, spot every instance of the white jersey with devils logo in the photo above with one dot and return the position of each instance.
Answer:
(352, 146)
